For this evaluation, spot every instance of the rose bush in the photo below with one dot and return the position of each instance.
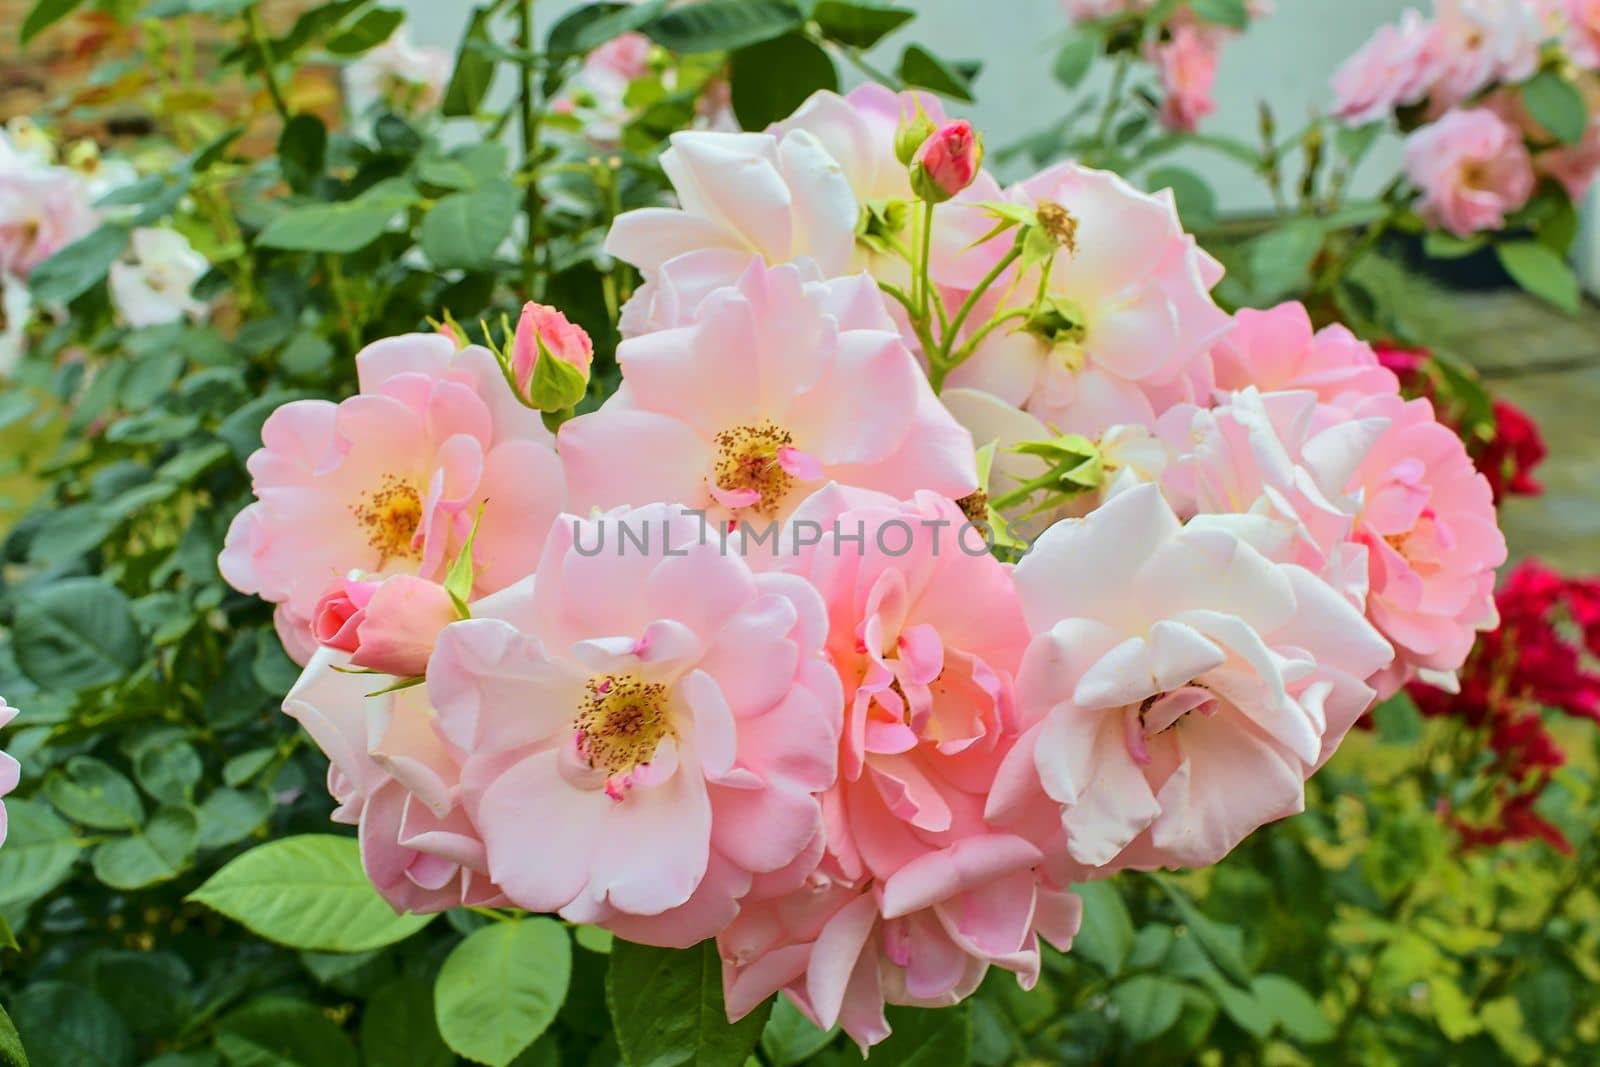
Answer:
(777, 589)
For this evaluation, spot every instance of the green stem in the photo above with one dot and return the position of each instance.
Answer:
(269, 74)
(959, 356)
(1113, 101)
(527, 104)
(923, 281)
(859, 61)
(1024, 491)
(973, 297)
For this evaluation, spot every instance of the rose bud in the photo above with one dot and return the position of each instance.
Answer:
(557, 382)
(390, 626)
(947, 162)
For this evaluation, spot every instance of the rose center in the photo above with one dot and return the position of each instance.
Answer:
(748, 467)
(390, 516)
(621, 722)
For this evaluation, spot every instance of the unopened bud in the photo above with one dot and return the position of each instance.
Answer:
(550, 358)
(915, 128)
(947, 162)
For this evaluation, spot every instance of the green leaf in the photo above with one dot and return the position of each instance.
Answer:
(1280, 260)
(11, 1052)
(919, 67)
(924, 1037)
(1557, 105)
(228, 816)
(1147, 1006)
(307, 892)
(39, 851)
(158, 852)
(1106, 936)
(344, 227)
(789, 1038)
(169, 772)
(77, 268)
(76, 634)
(1075, 58)
(92, 792)
(721, 25)
(858, 23)
(1230, 13)
(1398, 720)
(279, 1032)
(1541, 272)
(1296, 1010)
(370, 30)
(1243, 1007)
(302, 151)
(1441, 244)
(667, 1008)
(464, 229)
(46, 13)
(397, 1028)
(592, 25)
(475, 68)
(769, 80)
(1197, 204)
(68, 1026)
(1223, 944)
(501, 988)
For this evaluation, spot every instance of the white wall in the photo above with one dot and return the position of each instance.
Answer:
(1286, 59)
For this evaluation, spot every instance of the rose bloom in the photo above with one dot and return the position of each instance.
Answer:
(397, 781)
(1395, 68)
(1179, 688)
(42, 210)
(783, 383)
(917, 896)
(858, 131)
(1427, 519)
(10, 769)
(1582, 32)
(1277, 350)
(1472, 169)
(1136, 318)
(1187, 63)
(155, 284)
(1479, 42)
(401, 74)
(646, 724)
(391, 481)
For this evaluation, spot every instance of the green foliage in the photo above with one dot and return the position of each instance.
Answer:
(501, 988)
(667, 1008)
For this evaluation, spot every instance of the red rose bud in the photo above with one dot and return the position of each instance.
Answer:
(557, 382)
(947, 162)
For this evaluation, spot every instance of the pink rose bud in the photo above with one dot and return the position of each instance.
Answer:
(558, 335)
(396, 630)
(339, 613)
(947, 162)
(914, 130)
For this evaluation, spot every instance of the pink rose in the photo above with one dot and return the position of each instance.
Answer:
(42, 210)
(1428, 522)
(392, 480)
(917, 896)
(397, 780)
(1582, 38)
(388, 626)
(1393, 69)
(1137, 319)
(1275, 350)
(1180, 687)
(1480, 42)
(646, 725)
(10, 769)
(1187, 63)
(1472, 169)
(783, 383)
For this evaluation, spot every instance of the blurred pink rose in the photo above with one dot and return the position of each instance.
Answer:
(1472, 169)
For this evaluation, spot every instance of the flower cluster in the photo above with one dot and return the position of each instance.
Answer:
(1478, 144)
(1544, 655)
(47, 204)
(736, 639)
(1185, 50)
